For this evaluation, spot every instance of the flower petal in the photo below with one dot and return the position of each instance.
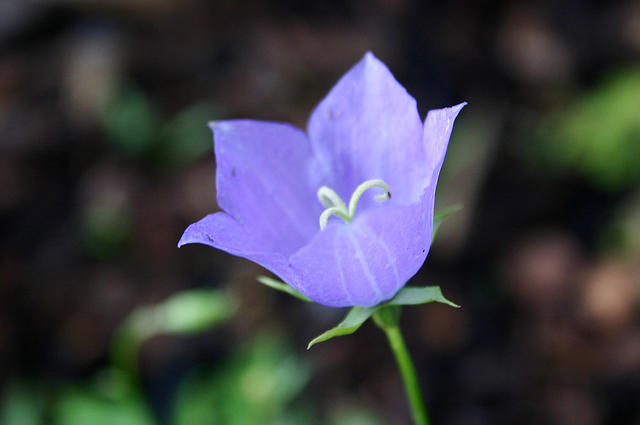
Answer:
(262, 182)
(221, 231)
(437, 131)
(368, 127)
(366, 261)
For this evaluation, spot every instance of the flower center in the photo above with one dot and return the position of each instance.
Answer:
(335, 206)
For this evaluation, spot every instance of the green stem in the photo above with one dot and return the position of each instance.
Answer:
(388, 322)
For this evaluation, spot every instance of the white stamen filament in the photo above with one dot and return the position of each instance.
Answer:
(335, 206)
(329, 198)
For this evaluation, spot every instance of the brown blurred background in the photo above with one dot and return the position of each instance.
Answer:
(105, 158)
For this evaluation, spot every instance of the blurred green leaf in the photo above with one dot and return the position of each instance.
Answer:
(130, 121)
(439, 216)
(599, 135)
(254, 387)
(106, 228)
(194, 311)
(281, 286)
(186, 137)
(187, 312)
(22, 404)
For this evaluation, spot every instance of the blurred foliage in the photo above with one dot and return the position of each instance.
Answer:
(354, 416)
(133, 126)
(109, 400)
(186, 137)
(257, 384)
(107, 227)
(599, 135)
(622, 233)
(266, 374)
(23, 404)
(187, 312)
(252, 388)
(130, 121)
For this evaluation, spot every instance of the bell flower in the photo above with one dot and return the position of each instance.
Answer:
(344, 211)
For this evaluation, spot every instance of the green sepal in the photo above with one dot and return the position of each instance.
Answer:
(353, 320)
(413, 295)
(281, 286)
(409, 295)
(441, 215)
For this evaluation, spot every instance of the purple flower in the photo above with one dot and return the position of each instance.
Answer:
(287, 197)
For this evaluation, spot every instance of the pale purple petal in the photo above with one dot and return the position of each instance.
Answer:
(367, 261)
(368, 127)
(262, 182)
(221, 231)
(437, 131)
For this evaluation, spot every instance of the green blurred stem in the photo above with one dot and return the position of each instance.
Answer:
(387, 319)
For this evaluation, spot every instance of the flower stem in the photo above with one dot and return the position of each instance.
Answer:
(387, 320)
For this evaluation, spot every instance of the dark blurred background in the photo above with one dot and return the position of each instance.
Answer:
(105, 158)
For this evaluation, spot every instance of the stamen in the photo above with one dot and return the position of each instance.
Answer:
(329, 198)
(324, 217)
(335, 206)
(360, 190)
